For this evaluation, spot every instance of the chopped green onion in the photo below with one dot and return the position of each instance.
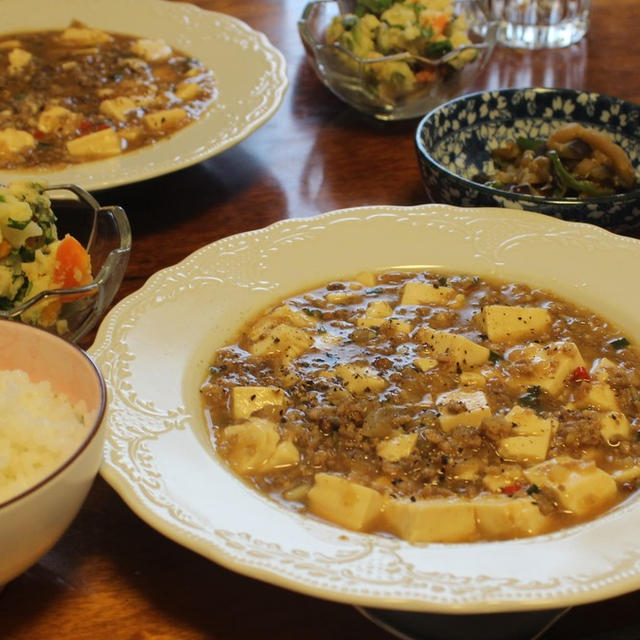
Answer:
(17, 224)
(619, 343)
(568, 181)
(438, 49)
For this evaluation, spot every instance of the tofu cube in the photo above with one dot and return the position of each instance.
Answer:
(532, 434)
(457, 349)
(165, 120)
(118, 108)
(358, 378)
(285, 455)
(578, 485)
(18, 59)
(343, 502)
(507, 324)
(58, 119)
(187, 91)
(462, 408)
(397, 327)
(131, 134)
(425, 364)
(283, 340)
(339, 297)
(415, 292)
(472, 379)
(433, 520)
(294, 317)
(550, 364)
(600, 369)
(83, 37)
(397, 447)
(13, 141)
(499, 517)
(510, 475)
(250, 445)
(151, 50)
(597, 393)
(101, 144)
(524, 448)
(254, 446)
(283, 314)
(622, 476)
(247, 400)
(10, 44)
(375, 314)
(379, 309)
(614, 426)
(468, 469)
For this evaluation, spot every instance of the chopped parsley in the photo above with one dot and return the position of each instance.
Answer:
(619, 343)
(531, 397)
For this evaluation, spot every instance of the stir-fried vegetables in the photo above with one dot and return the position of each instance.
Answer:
(573, 162)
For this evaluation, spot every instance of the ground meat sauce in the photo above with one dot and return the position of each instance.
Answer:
(433, 407)
(80, 94)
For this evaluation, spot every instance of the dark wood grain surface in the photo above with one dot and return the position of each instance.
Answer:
(114, 577)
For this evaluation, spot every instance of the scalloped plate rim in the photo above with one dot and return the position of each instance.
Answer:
(131, 494)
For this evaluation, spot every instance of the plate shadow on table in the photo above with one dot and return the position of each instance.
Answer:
(169, 587)
(219, 183)
(408, 625)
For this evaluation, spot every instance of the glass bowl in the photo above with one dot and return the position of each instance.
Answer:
(373, 85)
(105, 233)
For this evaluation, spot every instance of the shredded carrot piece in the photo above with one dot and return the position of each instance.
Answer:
(425, 76)
(73, 264)
(5, 249)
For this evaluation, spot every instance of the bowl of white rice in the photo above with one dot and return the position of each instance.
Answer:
(52, 401)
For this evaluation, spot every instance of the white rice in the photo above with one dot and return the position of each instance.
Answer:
(39, 430)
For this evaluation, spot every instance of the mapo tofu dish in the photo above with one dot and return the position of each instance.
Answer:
(82, 94)
(433, 407)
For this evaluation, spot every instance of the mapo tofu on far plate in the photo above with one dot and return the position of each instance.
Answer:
(433, 407)
(81, 94)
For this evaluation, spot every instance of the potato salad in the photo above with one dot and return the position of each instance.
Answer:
(423, 30)
(32, 257)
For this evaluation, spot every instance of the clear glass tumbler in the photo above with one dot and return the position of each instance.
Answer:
(541, 24)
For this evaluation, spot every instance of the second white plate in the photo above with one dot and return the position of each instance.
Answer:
(250, 75)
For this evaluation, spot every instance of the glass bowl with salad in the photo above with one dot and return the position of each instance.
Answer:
(397, 59)
(567, 153)
(62, 256)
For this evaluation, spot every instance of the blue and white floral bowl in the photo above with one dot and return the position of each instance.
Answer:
(454, 143)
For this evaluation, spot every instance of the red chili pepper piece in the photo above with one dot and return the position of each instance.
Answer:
(85, 125)
(580, 373)
(38, 135)
(511, 489)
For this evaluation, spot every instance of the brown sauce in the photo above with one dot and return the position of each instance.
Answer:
(352, 402)
(81, 94)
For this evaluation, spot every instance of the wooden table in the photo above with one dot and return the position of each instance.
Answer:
(112, 576)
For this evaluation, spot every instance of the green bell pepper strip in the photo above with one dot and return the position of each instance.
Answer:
(532, 144)
(569, 181)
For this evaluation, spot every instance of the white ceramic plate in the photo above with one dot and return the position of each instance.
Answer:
(250, 76)
(154, 348)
